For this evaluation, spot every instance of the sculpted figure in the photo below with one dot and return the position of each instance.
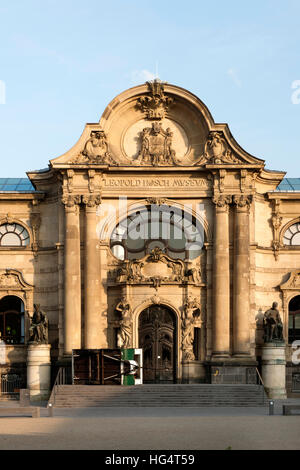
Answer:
(188, 320)
(124, 308)
(272, 324)
(39, 326)
(144, 153)
(96, 149)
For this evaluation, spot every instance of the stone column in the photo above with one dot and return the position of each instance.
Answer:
(38, 371)
(72, 281)
(92, 276)
(241, 280)
(221, 279)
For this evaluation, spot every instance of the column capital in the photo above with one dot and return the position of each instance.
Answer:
(71, 201)
(222, 201)
(91, 200)
(242, 201)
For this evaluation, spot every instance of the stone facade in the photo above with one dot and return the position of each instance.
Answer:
(155, 144)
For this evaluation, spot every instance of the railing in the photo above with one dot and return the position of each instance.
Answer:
(264, 394)
(11, 384)
(63, 378)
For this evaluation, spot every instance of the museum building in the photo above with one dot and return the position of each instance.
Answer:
(155, 231)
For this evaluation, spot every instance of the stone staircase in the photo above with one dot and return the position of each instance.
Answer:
(158, 395)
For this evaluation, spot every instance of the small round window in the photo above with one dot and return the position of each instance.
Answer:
(13, 235)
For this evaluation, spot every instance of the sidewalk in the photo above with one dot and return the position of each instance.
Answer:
(153, 428)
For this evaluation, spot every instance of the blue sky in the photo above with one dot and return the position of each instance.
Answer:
(63, 61)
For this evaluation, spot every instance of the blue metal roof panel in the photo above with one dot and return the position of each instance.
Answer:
(289, 184)
(16, 184)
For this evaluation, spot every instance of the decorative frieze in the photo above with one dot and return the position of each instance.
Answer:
(156, 268)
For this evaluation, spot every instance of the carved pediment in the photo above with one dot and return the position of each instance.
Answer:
(293, 281)
(13, 279)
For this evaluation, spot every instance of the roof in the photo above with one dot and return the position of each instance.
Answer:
(20, 185)
(289, 184)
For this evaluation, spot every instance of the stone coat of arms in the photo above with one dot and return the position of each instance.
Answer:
(156, 146)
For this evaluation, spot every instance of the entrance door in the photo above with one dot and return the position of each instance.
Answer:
(157, 338)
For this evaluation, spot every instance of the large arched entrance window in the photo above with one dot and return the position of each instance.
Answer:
(12, 320)
(157, 338)
(177, 233)
(294, 319)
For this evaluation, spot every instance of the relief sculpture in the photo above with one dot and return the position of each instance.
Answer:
(96, 150)
(216, 150)
(155, 105)
(156, 146)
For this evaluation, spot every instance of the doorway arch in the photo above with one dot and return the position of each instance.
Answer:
(157, 331)
(12, 328)
(294, 319)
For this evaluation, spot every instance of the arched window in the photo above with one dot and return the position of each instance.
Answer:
(13, 235)
(174, 231)
(294, 319)
(292, 235)
(12, 320)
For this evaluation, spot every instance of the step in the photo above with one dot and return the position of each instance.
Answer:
(159, 395)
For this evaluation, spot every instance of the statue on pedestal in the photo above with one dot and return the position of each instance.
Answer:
(39, 326)
(272, 323)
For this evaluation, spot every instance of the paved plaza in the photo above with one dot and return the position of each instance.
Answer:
(152, 428)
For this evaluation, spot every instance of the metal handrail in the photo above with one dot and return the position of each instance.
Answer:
(262, 383)
(61, 379)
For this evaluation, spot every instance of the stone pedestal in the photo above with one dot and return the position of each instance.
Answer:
(193, 372)
(38, 371)
(273, 369)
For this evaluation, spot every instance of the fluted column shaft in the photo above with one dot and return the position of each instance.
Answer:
(72, 282)
(221, 279)
(92, 291)
(241, 300)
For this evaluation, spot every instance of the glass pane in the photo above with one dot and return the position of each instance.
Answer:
(297, 321)
(291, 326)
(138, 255)
(293, 228)
(26, 241)
(135, 244)
(10, 228)
(118, 251)
(10, 239)
(296, 239)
